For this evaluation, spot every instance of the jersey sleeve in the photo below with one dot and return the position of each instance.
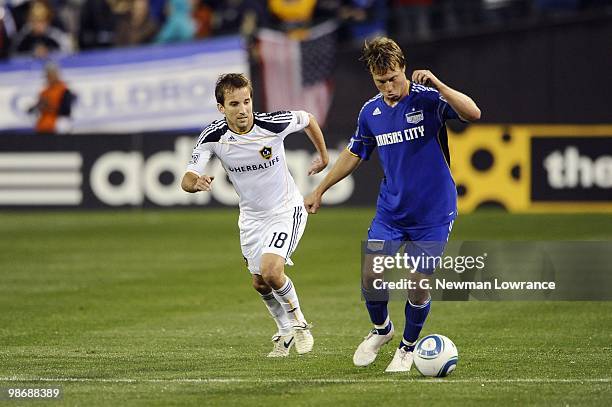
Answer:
(299, 121)
(362, 143)
(200, 156)
(445, 111)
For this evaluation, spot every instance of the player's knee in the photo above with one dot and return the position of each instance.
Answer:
(368, 281)
(418, 296)
(273, 274)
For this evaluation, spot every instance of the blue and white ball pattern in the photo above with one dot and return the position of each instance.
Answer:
(435, 355)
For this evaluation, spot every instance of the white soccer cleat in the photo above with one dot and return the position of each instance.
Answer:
(303, 338)
(368, 349)
(282, 345)
(402, 361)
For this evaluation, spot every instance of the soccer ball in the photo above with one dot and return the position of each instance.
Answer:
(435, 355)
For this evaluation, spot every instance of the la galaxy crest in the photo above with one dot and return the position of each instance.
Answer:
(194, 158)
(266, 152)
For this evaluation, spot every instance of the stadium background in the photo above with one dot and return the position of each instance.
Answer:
(535, 78)
(103, 295)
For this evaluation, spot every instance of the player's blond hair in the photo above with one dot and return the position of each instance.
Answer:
(229, 82)
(382, 55)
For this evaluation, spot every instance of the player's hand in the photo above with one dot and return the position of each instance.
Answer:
(426, 78)
(317, 165)
(203, 183)
(312, 202)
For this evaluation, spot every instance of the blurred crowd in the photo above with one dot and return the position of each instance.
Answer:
(39, 27)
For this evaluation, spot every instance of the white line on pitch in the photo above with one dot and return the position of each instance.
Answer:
(298, 381)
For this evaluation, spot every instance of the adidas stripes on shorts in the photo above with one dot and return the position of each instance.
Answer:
(278, 234)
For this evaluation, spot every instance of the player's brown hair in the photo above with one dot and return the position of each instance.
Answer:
(229, 82)
(381, 55)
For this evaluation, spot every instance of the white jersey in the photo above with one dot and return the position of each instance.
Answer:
(255, 161)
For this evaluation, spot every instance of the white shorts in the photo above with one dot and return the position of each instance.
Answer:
(278, 234)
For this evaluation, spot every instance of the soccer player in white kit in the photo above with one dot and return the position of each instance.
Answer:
(272, 215)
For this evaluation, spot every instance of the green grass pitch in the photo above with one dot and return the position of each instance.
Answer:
(156, 308)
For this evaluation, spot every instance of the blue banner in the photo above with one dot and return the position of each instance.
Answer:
(150, 88)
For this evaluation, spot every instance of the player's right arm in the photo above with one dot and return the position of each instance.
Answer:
(194, 179)
(193, 182)
(346, 163)
(360, 148)
(461, 103)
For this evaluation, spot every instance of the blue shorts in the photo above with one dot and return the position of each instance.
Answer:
(387, 239)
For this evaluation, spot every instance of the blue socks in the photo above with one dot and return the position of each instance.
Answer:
(377, 308)
(415, 318)
(378, 311)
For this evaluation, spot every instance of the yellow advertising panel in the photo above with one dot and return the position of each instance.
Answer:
(533, 168)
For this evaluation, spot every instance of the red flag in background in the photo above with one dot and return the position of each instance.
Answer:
(297, 74)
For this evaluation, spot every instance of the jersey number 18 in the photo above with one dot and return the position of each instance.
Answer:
(278, 241)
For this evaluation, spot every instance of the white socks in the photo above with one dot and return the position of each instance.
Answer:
(288, 299)
(278, 313)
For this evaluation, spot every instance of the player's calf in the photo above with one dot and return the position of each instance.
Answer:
(272, 271)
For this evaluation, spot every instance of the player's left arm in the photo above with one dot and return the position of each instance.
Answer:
(461, 103)
(314, 133)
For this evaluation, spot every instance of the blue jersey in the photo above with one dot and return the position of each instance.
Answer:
(418, 189)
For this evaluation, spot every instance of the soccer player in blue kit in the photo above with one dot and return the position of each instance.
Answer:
(418, 198)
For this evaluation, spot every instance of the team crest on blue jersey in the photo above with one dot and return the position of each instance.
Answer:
(415, 117)
(266, 152)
